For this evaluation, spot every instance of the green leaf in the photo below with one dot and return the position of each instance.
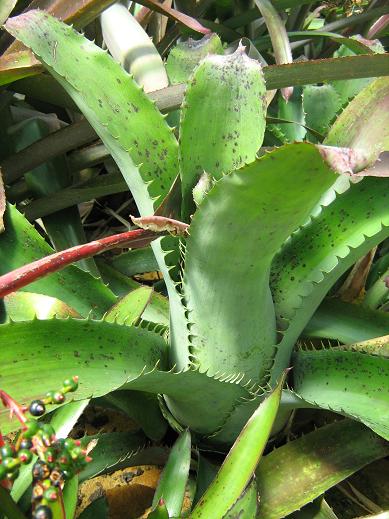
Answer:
(127, 121)
(292, 110)
(349, 89)
(135, 261)
(321, 104)
(141, 407)
(298, 472)
(195, 399)
(254, 210)
(186, 55)
(321, 251)
(130, 307)
(114, 451)
(247, 505)
(159, 512)
(8, 505)
(6, 9)
(123, 116)
(25, 306)
(348, 382)
(83, 348)
(21, 244)
(222, 119)
(346, 322)
(98, 509)
(70, 495)
(172, 482)
(318, 509)
(364, 124)
(240, 463)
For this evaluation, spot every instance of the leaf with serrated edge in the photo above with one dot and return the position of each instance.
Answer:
(323, 250)
(349, 382)
(81, 347)
(130, 126)
(255, 209)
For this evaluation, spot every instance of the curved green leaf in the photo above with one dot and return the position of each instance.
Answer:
(254, 210)
(61, 348)
(172, 482)
(321, 104)
(130, 307)
(349, 382)
(321, 251)
(298, 472)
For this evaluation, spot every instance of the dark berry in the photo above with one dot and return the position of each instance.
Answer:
(25, 456)
(26, 444)
(31, 428)
(37, 408)
(70, 384)
(67, 474)
(40, 470)
(7, 451)
(43, 512)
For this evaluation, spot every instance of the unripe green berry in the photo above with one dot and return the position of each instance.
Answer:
(3, 471)
(70, 385)
(32, 427)
(50, 494)
(25, 456)
(11, 476)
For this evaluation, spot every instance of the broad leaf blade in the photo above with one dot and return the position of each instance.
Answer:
(295, 474)
(349, 382)
(222, 119)
(255, 209)
(84, 348)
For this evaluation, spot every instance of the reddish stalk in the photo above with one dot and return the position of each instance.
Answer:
(29, 273)
(14, 408)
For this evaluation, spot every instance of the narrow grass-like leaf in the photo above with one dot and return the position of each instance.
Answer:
(300, 471)
(241, 461)
(174, 477)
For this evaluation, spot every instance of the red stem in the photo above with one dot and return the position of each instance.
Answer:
(15, 408)
(29, 273)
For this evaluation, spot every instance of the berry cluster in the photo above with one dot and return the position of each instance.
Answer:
(58, 459)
